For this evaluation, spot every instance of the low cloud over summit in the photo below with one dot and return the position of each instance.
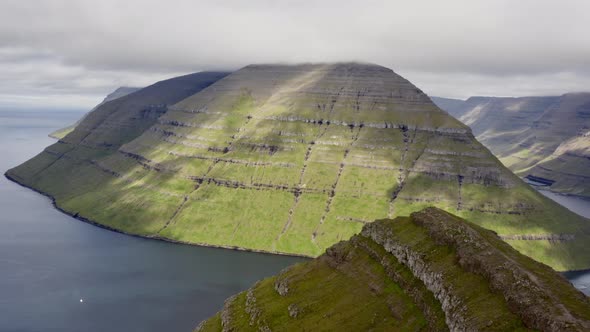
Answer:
(71, 53)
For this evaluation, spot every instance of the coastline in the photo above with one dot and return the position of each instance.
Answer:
(542, 188)
(160, 238)
(147, 237)
(575, 271)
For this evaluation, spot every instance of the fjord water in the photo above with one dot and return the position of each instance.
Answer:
(49, 261)
(581, 206)
(576, 204)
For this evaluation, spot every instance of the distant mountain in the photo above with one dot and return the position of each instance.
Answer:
(429, 272)
(290, 159)
(546, 139)
(118, 93)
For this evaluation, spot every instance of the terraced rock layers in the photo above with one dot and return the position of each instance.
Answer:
(429, 272)
(289, 159)
(546, 139)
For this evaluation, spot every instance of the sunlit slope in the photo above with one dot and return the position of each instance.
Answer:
(546, 137)
(292, 159)
(429, 272)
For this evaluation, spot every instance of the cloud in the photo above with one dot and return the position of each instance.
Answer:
(462, 86)
(451, 47)
(41, 79)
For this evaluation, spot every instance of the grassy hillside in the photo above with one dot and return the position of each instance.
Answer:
(291, 159)
(547, 137)
(118, 93)
(429, 272)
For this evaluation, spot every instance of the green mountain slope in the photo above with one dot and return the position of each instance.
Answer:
(429, 272)
(546, 137)
(118, 93)
(292, 159)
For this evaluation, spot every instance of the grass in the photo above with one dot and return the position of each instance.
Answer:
(61, 133)
(550, 281)
(253, 226)
(247, 119)
(478, 302)
(360, 285)
(327, 299)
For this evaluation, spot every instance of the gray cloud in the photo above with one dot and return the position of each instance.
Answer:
(61, 51)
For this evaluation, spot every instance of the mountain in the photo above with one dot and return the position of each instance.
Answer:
(290, 159)
(429, 272)
(118, 93)
(546, 139)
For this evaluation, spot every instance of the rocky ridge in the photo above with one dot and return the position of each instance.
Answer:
(432, 271)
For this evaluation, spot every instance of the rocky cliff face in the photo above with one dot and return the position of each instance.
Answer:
(432, 272)
(289, 159)
(543, 137)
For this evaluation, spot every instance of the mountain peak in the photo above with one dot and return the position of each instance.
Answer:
(286, 159)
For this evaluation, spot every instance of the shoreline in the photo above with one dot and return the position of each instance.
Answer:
(163, 239)
(148, 237)
(542, 188)
(576, 271)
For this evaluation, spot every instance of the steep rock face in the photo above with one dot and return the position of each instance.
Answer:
(431, 272)
(291, 159)
(118, 93)
(542, 137)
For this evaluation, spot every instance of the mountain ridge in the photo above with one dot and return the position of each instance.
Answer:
(537, 137)
(291, 159)
(431, 271)
(117, 93)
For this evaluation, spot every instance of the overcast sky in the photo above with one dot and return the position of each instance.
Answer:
(71, 53)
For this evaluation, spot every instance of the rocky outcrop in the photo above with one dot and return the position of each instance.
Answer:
(449, 274)
(451, 303)
(377, 125)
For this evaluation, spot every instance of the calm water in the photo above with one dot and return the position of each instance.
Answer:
(578, 205)
(581, 206)
(49, 261)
